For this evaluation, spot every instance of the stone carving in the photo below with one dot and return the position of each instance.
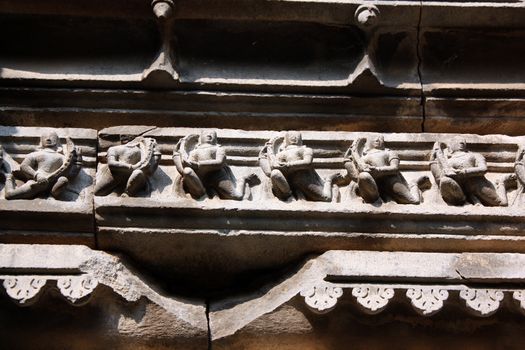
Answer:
(460, 175)
(373, 298)
(376, 172)
(367, 15)
(76, 287)
(45, 171)
(322, 297)
(202, 165)
(23, 288)
(519, 296)
(483, 302)
(288, 164)
(427, 300)
(129, 164)
(519, 168)
(164, 63)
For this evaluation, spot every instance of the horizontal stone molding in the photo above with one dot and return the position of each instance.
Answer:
(479, 281)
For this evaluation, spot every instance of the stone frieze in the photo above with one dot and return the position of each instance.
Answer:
(47, 180)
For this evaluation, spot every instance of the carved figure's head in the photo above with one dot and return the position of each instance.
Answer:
(163, 9)
(124, 139)
(208, 137)
(458, 144)
(293, 138)
(49, 139)
(377, 142)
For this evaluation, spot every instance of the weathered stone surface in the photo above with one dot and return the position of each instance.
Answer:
(72, 209)
(104, 322)
(399, 327)
(78, 270)
(246, 231)
(449, 272)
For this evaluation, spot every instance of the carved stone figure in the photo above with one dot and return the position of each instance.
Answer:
(202, 165)
(288, 164)
(129, 164)
(376, 172)
(519, 168)
(460, 175)
(47, 170)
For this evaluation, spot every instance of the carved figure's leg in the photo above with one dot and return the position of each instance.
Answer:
(367, 187)
(280, 183)
(238, 191)
(397, 187)
(451, 191)
(106, 182)
(135, 183)
(193, 183)
(328, 187)
(486, 192)
(59, 187)
(28, 190)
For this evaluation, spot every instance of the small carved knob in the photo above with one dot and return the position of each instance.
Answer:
(367, 15)
(163, 9)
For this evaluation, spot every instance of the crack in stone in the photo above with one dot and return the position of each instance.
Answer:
(419, 63)
(208, 323)
(459, 274)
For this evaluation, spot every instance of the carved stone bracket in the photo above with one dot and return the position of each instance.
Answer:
(483, 302)
(75, 288)
(322, 298)
(373, 298)
(427, 300)
(24, 288)
(519, 297)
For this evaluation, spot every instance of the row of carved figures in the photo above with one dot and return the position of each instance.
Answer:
(371, 169)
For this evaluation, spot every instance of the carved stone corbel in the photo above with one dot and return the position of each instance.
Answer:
(164, 64)
(483, 302)
(519, 297)
(24, 289)
(427, 300)
(75, 288)
(373, 299)
(322, 298)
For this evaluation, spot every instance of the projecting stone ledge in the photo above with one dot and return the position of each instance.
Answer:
(118, 304)
(355, 288)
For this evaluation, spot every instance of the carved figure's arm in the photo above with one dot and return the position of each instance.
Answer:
(28, 167)
(393, 166)
(479, 169)
(114, 163)
(305, 162)
(218, 162)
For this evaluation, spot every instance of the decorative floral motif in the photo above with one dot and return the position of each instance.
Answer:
(427, 300)
(373, 298)
(76, 287)
(519, 296)
(23, 288)
(322, 297)
(484, 302)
